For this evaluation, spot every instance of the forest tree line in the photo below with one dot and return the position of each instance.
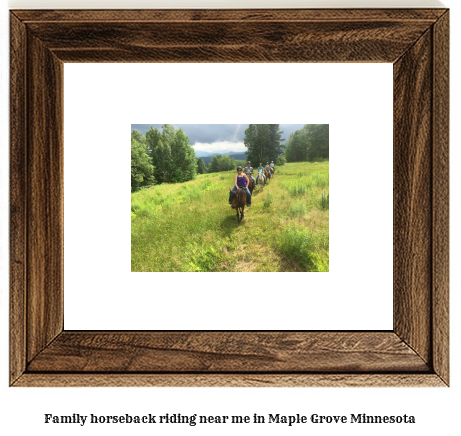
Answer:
(308, 144)
(264, 144)
(161, 157)
(166, 157)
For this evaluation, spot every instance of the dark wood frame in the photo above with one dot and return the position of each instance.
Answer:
(414, 353)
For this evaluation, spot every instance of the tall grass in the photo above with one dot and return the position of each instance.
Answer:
(297, 189)
(297, 208)
(307, 248)
(324, 201)
(191, 227)
(267, 201)
(320, 180)
(204, 259)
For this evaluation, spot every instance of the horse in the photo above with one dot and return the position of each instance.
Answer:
(260, 182)
(250, 185)
(267, 175)
(272, 171)
(239, 200)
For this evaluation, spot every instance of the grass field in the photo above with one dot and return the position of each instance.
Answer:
(191, 227)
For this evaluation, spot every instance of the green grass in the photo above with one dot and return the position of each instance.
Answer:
(324, 201)
(297, 208)
(191, 227)
(309, 249)
(267, 201)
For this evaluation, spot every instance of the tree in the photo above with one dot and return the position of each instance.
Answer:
(295, 147)
(317, 137)
(190, 164)
(171, 154)
(213, 166)
(137, 135)
(275, 146)
(281, 160)
(226, 163)
(237, 162)
(256, 141)
(201, 166)
(142, 170)
(179, 142)
(158, 153)
(263, 142)
(309, 143)
(167, 156)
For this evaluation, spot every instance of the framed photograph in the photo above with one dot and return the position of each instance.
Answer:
(414, 353)
(288, 223)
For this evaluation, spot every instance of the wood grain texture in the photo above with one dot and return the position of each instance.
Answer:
(230, 380)
(414, 354)
(205, 15)
(299, 41)
(18, 211)
(413, 196)
(440, 206)
(45, 249)
(224, 351)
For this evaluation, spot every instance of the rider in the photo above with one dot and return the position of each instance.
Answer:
(241, 181)
(249, 171)
(261, 172)
(268, 169)
(272, 165)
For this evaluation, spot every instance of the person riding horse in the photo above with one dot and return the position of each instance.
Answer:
(249, 172)
(260, 173)
(241, 181)
(268, 169)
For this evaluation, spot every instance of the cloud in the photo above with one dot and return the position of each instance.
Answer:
(203, 133)
(215, 133)
(219, 146)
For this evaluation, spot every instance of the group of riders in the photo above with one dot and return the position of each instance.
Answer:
(242, 179)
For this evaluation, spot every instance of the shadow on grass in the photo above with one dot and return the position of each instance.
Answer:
(257, 191)
(229, 223)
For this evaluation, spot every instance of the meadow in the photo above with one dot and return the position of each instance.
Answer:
(191, 227)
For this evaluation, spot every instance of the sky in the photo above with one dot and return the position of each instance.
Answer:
(216, 138)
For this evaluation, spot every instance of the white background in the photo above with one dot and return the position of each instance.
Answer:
(436, 410)
(101, 100)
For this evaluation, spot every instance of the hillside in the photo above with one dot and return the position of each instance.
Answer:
(191, 227)
(236, 156)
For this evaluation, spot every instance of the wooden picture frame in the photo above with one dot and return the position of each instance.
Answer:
(414, 353)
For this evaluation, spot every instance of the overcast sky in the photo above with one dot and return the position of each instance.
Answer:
(216, 137)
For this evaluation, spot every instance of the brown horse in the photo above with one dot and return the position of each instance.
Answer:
(251, 186)
(267, 175)
(272, 171)
(239, 200)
